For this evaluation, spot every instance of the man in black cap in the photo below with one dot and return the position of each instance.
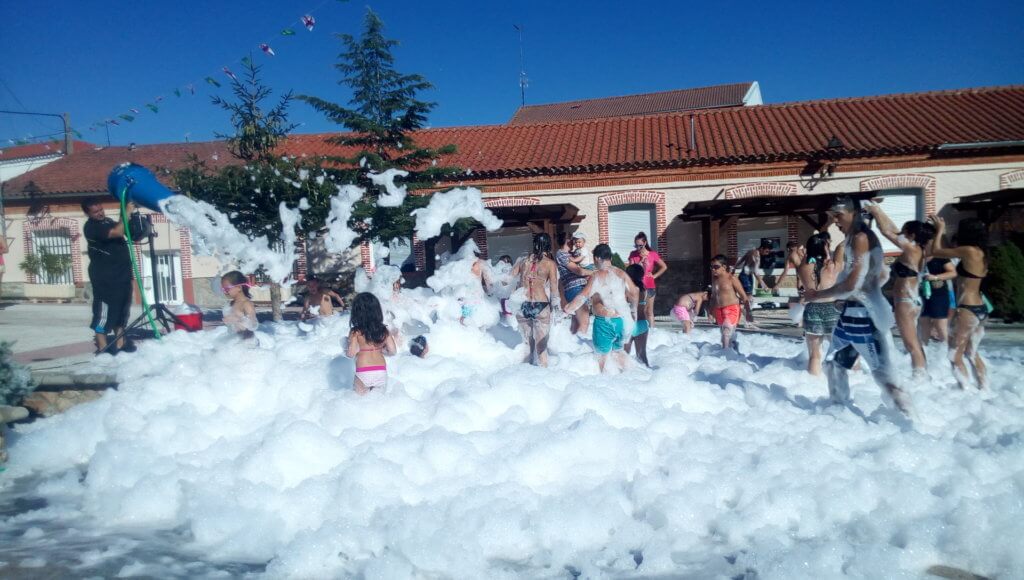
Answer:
(110, 271)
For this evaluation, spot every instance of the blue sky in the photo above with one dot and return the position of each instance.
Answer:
(96, 62)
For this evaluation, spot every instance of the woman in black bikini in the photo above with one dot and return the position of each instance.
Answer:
(538, 275)
(971, 311)
(912, 239)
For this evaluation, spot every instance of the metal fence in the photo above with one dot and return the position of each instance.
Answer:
(55, 242)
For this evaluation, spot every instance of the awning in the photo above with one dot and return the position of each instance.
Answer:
(991, 205)
(521, 215)
(766, 206)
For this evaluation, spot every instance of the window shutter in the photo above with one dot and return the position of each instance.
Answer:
(901, 205)
(625, 222)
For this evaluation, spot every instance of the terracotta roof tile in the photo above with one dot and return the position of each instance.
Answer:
(915, 123)
(40, 150)
(731, 95)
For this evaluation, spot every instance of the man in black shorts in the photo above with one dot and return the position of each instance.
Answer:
(110, 270)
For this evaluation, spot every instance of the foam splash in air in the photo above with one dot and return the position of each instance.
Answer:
(395, 194)
(339, 235)
(213, 234)
(449, 207)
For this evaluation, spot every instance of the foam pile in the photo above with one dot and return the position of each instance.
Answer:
(474, 465)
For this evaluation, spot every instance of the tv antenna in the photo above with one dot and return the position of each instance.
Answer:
(523, 81)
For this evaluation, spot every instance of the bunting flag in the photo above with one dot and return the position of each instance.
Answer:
(307, 21)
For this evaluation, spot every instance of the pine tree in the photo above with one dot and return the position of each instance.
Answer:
(250, 192)
(384, 111)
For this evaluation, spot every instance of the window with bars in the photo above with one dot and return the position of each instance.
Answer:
(53, 248)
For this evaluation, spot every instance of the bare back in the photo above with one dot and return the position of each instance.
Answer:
(537, 276)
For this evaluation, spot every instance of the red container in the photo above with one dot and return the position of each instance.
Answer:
(192, 322)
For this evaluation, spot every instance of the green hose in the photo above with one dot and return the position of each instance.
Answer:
(135, 266)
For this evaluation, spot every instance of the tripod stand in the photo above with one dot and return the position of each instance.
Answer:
(157, 310)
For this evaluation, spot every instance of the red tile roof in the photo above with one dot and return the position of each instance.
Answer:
(907, 124)
(646, 104)
(40, 150)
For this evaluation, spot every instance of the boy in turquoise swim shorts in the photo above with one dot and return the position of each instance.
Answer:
(613, 297)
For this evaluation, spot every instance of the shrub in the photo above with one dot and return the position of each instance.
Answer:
(1005, 282)
(15, 380)
(617, 262)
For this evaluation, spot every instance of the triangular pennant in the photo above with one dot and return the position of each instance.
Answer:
(309, 22)
(212, 81)
(191, 89)
(152, 107)
(177, 92)
(266, 49)
(287, 32)
(113, 122)
(136, 111)
(230, 74)
(128, 118)
(246, 61)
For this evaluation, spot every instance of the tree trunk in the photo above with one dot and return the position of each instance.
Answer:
(275, 301)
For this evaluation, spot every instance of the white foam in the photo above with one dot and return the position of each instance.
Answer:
(449, 207)
(394, 194)
(472, 464)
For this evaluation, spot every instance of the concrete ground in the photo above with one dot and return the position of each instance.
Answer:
(54, 341)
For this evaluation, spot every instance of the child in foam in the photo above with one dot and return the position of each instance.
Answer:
(368, 342)
(687, 307)
(818, 271)
(640, 329)
(613, 297)
(728, 296)
(319, 300)
(240, 315)
(864, 326)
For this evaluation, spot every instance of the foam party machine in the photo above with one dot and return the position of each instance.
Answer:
(134, 183)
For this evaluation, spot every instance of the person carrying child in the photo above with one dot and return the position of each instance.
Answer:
(368, 342)
(728, 296)
(580, 255)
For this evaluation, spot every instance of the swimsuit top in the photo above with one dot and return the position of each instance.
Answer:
(901, 270)
(963, 272)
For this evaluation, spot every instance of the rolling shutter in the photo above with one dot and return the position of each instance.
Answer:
(901, 205)
(625, 221)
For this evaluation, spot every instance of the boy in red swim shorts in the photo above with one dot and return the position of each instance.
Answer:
(728, 296)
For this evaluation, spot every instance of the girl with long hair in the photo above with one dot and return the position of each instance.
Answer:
(368, 342)
(639, 335)
(240, 316)
(865, 323)
(653, 267)
(538, 275)
(971, 309)
(817, 271)
(912, 239)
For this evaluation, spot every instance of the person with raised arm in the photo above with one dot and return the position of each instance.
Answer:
(864, 327)
(911, 239)
(972, 308)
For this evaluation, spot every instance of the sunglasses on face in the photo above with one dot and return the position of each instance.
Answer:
(228, 289)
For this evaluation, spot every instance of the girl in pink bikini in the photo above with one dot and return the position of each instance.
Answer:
(368, 342)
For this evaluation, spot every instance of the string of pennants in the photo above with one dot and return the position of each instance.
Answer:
(307, 21)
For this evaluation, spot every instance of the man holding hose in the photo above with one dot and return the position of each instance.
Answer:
(110, 271)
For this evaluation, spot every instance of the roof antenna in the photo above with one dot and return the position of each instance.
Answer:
(693, 138)
(523, 82)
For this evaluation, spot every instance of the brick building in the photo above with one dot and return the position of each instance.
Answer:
(613, 167)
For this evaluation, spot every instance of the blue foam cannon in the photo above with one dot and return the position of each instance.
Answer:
(138, 185)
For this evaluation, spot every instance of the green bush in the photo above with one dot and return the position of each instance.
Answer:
(15, 380)
(1005, 283)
